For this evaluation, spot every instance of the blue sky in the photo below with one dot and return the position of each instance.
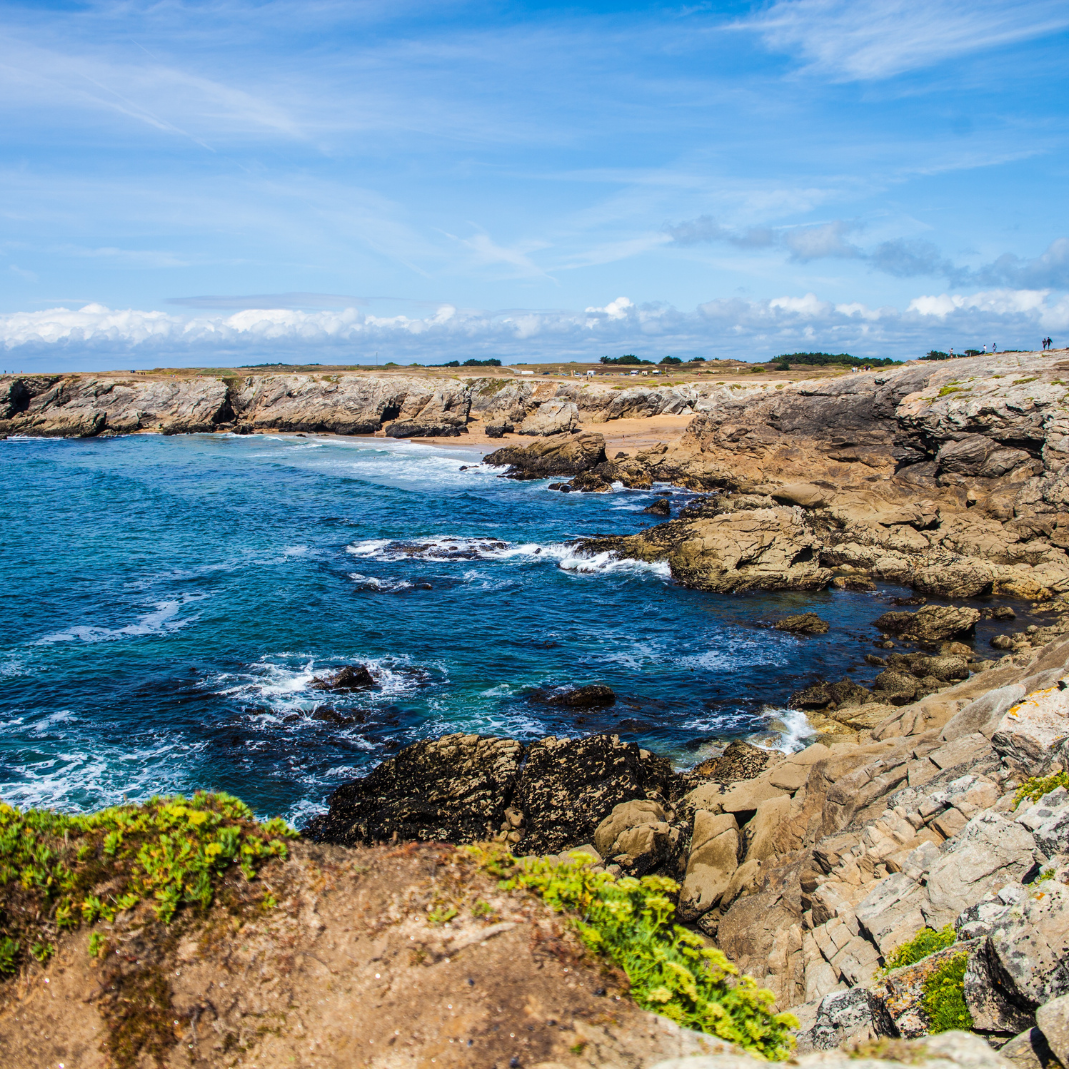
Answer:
(224, 181)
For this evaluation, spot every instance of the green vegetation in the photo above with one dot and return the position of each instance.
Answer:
(1035, 787)
(1021, 382)
(627, 360)
(784, 361)
(935, 354)
(944, 391)
(59, 871)
(671, 970)
(926, 941)
(492, 362)
(671, 360)
(944, 997)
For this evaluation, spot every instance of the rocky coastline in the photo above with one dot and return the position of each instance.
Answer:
(809, 869)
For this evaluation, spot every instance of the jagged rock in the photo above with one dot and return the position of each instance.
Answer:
(1053, 1020)
(853, 1014)
(991, 1010)
(552, 456)
(892, 912)
(569, 786)
(931, 624)
(712, 862)
(739, 760)
(551, 417)
(616, 834)
(990, 851)
(1027, 731)
(351, 677)
(623, 816)
(806, 623)
(590, 482)
(592, 696)
(895, 688)
(763, 828)
(1028, 951)
(660, 507)
(452, 789)
(497, 428)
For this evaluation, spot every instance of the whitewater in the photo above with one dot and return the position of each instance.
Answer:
(171, 601)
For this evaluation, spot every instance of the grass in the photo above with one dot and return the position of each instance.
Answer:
(944, 997)
(671, 970)
(59, 872)
(926, 941)
(1035, 787)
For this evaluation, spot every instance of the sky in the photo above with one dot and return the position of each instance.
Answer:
(357, 182)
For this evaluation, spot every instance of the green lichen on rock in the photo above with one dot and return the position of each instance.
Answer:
(59, 871)
(926, 941)
(670, 969)
(944, 997)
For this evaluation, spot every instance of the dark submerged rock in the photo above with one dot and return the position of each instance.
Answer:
(351, 677)
(660, 507)
(593, 696)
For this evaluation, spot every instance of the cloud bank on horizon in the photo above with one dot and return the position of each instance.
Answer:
(876, 176)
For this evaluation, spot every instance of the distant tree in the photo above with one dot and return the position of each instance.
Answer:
(671, 360)
(626, 360)
(935, 354)
(492, 362)
(696, 360)
(973, 352)
(841, 359)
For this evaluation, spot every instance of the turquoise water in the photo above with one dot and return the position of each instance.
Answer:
(170, 600)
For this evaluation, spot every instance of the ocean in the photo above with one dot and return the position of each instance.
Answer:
(170, 602)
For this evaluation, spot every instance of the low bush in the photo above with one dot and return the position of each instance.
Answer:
(944, 997)
(926, 941)
(59, 871)
(1035, 787)
(671, 970)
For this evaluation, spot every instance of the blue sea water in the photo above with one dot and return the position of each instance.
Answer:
(169, 602)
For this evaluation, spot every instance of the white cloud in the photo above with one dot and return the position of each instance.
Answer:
(871, 39)
(95, 336)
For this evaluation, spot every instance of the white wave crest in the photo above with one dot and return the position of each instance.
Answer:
(162, 620)
(387, 586)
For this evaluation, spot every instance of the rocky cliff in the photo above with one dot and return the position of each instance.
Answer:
(814, 871)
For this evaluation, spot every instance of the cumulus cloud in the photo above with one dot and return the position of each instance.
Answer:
(1051, 269)
(95, 336)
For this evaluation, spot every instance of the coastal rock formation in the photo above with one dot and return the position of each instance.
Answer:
(806, 623)
(556, 456)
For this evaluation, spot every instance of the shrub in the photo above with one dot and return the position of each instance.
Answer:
(825, 359)
(935, 354)
(670, 969)
(628, 360)
(1035, 787)
(926, 941)
(671, 360)
(492, 362)
(944, 997)
(171, 851)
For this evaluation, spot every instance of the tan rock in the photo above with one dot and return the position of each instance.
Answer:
(763, 829)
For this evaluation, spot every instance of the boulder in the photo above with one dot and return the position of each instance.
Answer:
(592, 696)
(739, 760)
(892, 913)
(1048, 821)
(452, 789)
(989, 851)
(807, 495)
(660, 507)
(931, 625)
(991, 1010)
(569, 786)
(761, 831)
(553, 456)
(1030, 1050)
(497, 428)
(551, 417)
(1053, 1020)
(806, 623)
(1029, 730)
(623, 817)
(855, 1014)
(1028, 951)
(351, 677)
(712, 863)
